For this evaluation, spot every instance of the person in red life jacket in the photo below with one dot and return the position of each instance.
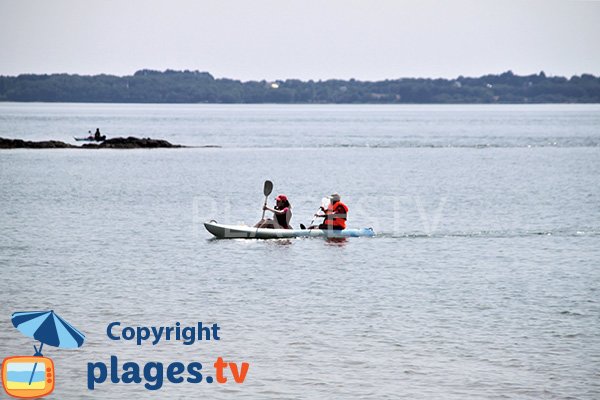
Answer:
(282, 212)
(335, 215)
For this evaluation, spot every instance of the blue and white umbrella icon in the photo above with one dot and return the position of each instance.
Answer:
(48, 328)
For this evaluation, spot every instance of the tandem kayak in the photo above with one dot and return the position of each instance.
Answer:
(223, 231)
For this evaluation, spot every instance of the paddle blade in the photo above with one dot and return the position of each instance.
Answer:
(268, 188)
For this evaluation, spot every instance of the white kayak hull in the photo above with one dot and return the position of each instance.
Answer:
(223, 231)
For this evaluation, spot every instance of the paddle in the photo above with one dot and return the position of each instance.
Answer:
(267, 189)
(302, 226)
(324, 203)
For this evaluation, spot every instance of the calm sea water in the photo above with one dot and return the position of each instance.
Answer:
(483, 281)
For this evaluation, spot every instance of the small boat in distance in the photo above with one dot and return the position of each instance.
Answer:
(96, 137)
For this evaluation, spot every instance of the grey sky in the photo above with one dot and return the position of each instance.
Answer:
(277, 39)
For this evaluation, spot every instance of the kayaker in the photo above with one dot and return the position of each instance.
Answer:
(335, 215)
(282, 212)
(97, 135)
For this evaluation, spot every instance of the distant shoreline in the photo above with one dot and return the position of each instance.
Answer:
(194, 87)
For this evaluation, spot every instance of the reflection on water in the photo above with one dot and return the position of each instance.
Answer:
(339, 242)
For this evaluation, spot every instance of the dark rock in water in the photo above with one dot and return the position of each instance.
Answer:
(131, 143)
(115, 143)
(25, 144)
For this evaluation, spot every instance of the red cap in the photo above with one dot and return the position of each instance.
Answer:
(281, 197)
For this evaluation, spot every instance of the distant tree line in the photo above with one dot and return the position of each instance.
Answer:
(147, 86)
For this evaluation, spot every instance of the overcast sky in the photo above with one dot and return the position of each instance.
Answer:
(308, 39)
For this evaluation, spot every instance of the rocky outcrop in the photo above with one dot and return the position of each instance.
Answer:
(131, 143)
(114, 143)
(26, 144)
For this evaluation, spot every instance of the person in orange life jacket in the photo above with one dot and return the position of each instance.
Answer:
(335, 215)
(282, 212)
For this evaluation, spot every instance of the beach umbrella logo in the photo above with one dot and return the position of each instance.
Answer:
(33, 376)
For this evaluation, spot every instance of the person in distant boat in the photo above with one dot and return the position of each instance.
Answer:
(98, 137)
(282, 214)
(335, 214)
(90, 136)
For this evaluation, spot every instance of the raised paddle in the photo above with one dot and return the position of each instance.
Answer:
(267, 189)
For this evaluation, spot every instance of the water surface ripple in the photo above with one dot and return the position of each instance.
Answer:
(483, 281)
